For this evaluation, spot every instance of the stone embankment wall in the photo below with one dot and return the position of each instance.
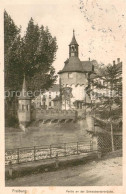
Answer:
(56, 114)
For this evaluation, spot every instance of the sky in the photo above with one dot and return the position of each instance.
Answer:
(99, 26)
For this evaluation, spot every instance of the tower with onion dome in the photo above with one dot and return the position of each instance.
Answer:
(74, 78)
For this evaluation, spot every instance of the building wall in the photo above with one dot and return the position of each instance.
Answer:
(45, 100)
(78, 82)
(37, 102)
(96, 92)
(56, 114)
(24, 111)
(23, 117)
(57, 105)
(49, 96)
(73, 78)
(78, 94)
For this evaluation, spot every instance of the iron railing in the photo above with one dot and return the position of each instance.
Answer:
(27, 154)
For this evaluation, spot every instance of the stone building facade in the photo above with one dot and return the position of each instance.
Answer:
(74, 75)
(26, 111)
(24, 107)
(48, 99)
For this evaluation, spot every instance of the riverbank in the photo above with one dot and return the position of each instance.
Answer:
(47, 165)
(106, 171)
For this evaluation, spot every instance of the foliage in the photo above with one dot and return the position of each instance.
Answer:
(11, 121)
(66, 93)
(41, 49)
(11, 51)
(32, 55)
(107, 108)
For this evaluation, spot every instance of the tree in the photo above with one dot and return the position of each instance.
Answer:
(38, 54)
(107, 108)
(32, 55)
(11, 53)
(12, 64)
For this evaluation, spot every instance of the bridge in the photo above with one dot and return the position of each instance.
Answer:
(56, 116)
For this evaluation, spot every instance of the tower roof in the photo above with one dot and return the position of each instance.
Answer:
(24, 93)
(73, 41)
(75, 65)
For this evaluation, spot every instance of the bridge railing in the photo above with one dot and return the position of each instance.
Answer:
(28, 154)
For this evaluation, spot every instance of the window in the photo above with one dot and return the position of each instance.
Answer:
(50, 96)
(70, 75)
(49, 103)
(23, 107)
(72, 48)
(27, 107)
(44, 98)
(72, 54)
(110, 93)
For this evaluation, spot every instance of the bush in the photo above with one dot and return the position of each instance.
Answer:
(11, 121)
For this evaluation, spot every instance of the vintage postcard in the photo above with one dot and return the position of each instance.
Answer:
(62, 96)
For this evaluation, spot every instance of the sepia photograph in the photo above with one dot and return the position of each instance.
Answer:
(63, 65)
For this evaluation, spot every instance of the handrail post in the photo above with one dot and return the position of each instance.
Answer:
(18, 156)
(50, 152)
(77, 147)
(91, 145)
(65, 148)
(34, 153)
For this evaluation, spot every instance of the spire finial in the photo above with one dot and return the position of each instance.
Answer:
(73, 32)
(73, 42)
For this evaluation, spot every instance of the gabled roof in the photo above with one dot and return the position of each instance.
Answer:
(87, 66)
(73, 65)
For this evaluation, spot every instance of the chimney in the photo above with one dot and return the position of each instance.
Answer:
(113, 62)
(118, 60)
